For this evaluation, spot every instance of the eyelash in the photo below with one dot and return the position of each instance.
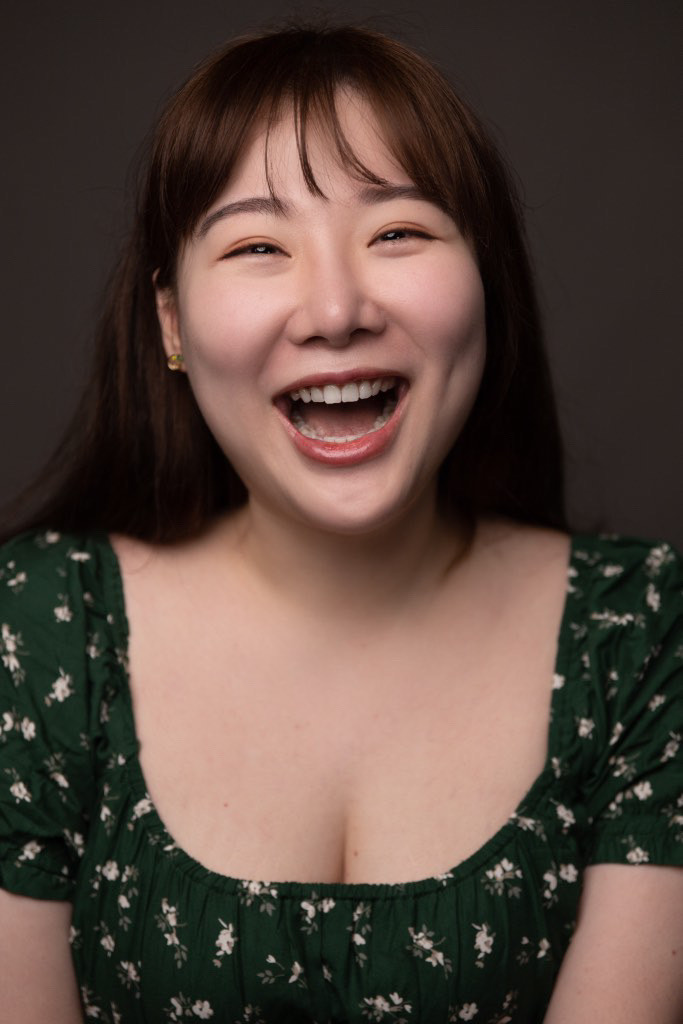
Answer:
(250, 250)
(257, 248)
(404, 233)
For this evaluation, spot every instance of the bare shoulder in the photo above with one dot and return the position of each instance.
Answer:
(524, 553)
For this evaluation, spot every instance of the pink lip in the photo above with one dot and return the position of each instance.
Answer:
(346, 453)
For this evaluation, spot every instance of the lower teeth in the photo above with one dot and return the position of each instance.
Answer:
(316, 435)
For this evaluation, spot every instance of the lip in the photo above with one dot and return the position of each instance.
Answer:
(345, 453)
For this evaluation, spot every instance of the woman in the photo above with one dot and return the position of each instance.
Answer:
(292, 612)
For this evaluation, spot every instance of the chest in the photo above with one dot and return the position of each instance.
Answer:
(287, 755)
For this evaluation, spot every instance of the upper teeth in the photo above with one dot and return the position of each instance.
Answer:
(330, 394)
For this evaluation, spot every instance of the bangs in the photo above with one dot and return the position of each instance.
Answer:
(299, 75)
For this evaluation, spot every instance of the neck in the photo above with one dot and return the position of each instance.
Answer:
(349, 576)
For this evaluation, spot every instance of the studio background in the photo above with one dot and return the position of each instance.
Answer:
(583, 97)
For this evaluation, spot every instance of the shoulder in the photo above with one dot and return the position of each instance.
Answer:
(54, 588)
(622, 676)
(628, 570)
(60, 642)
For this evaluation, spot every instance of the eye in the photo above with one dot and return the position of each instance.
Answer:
(253, 249)
(395, 235)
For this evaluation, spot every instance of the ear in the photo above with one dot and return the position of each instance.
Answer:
(167, 314)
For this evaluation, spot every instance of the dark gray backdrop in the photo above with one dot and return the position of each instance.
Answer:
(582, 95)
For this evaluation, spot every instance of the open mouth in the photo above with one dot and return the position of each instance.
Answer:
(339, 413)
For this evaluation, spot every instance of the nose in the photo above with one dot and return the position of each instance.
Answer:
(334, 304)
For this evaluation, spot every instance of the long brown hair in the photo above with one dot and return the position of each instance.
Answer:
(138, 457)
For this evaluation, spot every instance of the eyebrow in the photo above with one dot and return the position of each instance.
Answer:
(369, 195)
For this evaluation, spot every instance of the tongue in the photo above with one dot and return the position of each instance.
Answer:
(342, 419)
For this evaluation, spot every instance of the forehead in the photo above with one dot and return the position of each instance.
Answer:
(272, 161)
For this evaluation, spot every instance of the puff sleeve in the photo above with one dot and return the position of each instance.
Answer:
(628, 716)
(48, 713)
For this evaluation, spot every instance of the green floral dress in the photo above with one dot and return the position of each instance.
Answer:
(157, 937)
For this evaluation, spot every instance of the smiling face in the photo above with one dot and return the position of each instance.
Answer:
(334, 344)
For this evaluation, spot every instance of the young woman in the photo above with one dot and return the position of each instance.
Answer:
(311, 708)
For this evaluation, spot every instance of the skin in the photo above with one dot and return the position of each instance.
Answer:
(344, 587)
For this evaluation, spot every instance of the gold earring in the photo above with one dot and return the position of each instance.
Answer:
(175, 361)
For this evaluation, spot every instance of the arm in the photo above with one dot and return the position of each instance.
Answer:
(625, 962)
(38, 982)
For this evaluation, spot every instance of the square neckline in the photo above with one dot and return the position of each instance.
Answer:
(183, 861)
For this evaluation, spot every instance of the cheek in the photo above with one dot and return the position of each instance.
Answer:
(221, 336)
(446, 302)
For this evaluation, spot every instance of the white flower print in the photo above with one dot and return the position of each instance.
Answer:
(168, 922)
(566, 816)
(297, 971)
(55, 769)
(225, 943)
(107, 942)
(585, 727)
(610, 571)
(468, 1011)
(616, 733)
(202, 1009)
(636, 854)
(181, 1008)
(62, 688)
(543, 948)
(671, 748)
(19, 789)
(359, 928)
(142, 807)
(110, 870)
(656, 702)
(28, 729)
(443, 877)
(79, 556)
(524, 955)
(424, 947)
(657, 558)
(310, 908)
(558, 681)
(653, 598)
(550, 879)
(17, 581)
(381, 1007)
(11, 652)
(12, 723)
(30, 850)
(75, 841)
(270, 975)
(642, 790)
(608, 618)
(63, 612)
(568, 872)
(500, 878)
(483, 942)
(623, 767)
(129, 974)
(262, 893)
(128, 891)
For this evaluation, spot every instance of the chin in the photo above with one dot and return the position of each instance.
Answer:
(354, 511)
